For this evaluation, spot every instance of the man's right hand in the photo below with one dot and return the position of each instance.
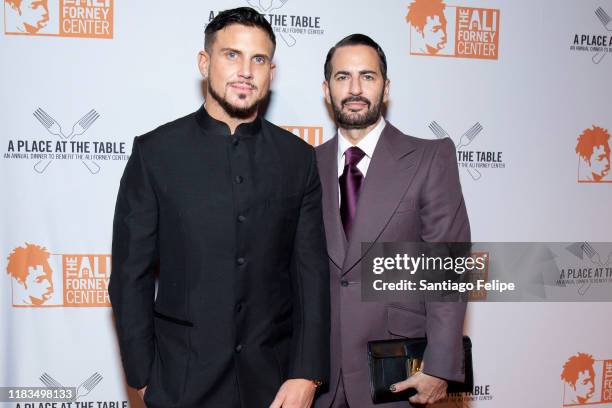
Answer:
(429, 389)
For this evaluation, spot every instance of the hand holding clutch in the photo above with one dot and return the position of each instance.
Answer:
(392, 361)
(429, 389)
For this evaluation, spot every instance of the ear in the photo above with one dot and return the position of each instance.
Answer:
(204, 63)
(386, 90)
(326, 92)
(272, 70)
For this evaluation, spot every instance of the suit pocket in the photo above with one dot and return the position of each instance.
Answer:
(406, 320)
(173, 351)
(171, 319)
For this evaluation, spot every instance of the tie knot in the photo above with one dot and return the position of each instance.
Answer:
(353, 155)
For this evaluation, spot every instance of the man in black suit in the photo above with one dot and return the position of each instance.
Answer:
(227, 207)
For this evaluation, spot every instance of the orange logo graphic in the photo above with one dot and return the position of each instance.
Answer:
(63, 18)
(587, 381)
(593, 149)
(453, 31)
(41, 279)
(311, 134)
(29, 267)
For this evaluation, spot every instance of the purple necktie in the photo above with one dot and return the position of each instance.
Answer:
(350, 186)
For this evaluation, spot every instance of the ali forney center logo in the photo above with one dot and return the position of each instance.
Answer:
(40, 278)
(438, 29)
(59, 18)
(593, 150)
(586, 381)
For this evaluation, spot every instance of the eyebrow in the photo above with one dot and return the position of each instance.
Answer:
(267, 57)
(362, 72)
(231, 49)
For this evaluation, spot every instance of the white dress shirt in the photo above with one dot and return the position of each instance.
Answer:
(367, 144)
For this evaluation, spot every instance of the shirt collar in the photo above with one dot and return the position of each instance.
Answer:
(367, 144)
(212, 125)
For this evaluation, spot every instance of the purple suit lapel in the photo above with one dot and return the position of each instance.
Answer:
(327, 157)
(389, 175)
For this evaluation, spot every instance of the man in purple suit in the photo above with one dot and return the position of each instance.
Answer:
(381, 185)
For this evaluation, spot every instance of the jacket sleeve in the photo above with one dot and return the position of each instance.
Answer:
(134, 258)
(310, 287)
(444, 219)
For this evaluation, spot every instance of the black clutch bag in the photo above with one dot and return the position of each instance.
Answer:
(392, 361)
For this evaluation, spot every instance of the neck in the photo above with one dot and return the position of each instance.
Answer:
(354, 136)
(217, 112)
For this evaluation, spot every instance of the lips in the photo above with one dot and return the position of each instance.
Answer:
(242, 86)
(355, 103)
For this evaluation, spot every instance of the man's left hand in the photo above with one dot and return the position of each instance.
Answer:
(295, 393)
(429, 389)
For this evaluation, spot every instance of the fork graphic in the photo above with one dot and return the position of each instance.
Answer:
(604, 18)
(594, 257)
(606, 21)
(465, 140)
(77, 129)
(86, 386)
(49, 381)
(273, 5)
(82, 390)
(598, 56)
(468, 136)
(52, 127)
(83, 124)
(48, 122)
(276, 4)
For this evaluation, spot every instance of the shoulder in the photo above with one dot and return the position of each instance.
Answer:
(432, 148)
(167, 132)
(286, 140)
(329, 144)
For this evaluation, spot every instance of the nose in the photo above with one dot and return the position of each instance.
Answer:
(355, 86)
(245, 70)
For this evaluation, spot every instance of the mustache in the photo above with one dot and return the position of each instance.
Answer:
(249, 84)
(356, 99)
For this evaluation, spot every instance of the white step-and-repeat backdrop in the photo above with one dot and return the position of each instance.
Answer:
(522, 87)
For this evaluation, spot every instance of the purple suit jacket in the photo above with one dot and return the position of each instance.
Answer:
(411, 193)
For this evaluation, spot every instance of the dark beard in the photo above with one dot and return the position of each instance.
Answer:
(345, 121)
(231, 110)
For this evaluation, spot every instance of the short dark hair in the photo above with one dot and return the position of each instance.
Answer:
(356, 39)
(245, 16)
